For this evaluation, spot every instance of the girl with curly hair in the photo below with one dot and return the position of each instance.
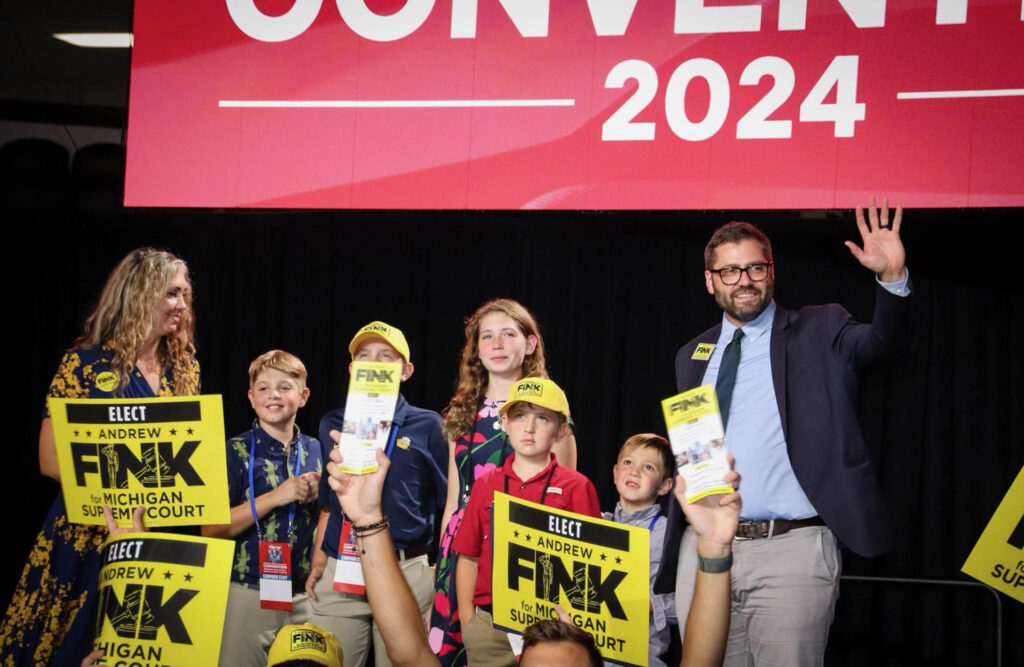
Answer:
(137, 343)
(503, 345)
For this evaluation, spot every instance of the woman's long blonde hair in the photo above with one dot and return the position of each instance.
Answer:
(123, 318)
(473, 377)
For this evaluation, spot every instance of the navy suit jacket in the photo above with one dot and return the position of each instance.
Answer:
(816, 353)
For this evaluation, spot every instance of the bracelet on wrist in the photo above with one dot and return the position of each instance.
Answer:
(370, 526)
(714, 565)
(371, 532)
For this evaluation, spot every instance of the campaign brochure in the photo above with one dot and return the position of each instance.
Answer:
(369, 411)
(698, 441)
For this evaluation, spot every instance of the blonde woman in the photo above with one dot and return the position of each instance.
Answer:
(137, 342)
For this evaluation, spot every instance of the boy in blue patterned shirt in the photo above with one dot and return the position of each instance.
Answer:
(273, 483)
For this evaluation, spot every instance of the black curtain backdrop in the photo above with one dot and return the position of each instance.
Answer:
(616, 294)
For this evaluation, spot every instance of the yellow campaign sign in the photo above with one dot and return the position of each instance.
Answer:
(162, 599)
(165, 454)
(597, 570)
(998, 557)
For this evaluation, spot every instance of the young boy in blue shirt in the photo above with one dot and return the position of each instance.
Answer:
(414, 492)
(273, 483)
(643, 473)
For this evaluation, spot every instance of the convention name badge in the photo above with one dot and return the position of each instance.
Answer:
(369, 411)
(162, 599)
(165, 454)
(275, 557)
(275, 575)
(348, 575)
(698, 441)
(998, 558)
(597, 570)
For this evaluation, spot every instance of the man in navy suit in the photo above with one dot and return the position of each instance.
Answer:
(791, 423)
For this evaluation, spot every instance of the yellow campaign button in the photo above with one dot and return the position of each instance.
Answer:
(703, 351)
(106, 381)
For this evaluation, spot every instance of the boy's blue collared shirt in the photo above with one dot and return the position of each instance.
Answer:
(272, 467)
(416, 487)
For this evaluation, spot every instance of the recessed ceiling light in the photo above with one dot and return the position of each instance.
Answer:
(97, 40)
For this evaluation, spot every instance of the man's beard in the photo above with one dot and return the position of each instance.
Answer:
(749, 310)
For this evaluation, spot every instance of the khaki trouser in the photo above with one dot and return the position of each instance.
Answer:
(486, 646)
(249, 631)
(784, 592)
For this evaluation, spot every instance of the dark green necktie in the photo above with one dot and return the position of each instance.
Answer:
(727, 375)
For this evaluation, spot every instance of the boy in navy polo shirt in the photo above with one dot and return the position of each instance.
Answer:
(273, 483)
(535, 416)
(414, 492)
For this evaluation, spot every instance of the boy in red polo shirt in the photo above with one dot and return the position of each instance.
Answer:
(535, 416)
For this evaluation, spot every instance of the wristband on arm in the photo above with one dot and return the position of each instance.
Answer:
(714, 565)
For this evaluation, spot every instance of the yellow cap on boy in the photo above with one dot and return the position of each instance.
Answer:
(539, 391)
(393, 336)
(305, 642)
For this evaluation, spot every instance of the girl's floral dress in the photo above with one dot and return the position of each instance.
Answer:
(476, 454)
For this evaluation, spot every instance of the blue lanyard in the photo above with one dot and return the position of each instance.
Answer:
(252, 491)
(391, 440)
(650, 526)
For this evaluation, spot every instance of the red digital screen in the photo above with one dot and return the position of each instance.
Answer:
(576, 104)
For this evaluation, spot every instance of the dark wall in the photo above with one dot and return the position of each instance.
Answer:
(616, 294)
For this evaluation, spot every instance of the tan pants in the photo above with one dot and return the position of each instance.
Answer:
(249, 631)
(784, 592)
(348, 616)
(486, 646)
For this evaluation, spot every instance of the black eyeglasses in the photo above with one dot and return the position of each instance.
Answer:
(730, 275)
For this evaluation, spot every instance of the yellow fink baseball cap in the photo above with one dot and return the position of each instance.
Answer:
(539, 391)
(393, 336)
(305, 642)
